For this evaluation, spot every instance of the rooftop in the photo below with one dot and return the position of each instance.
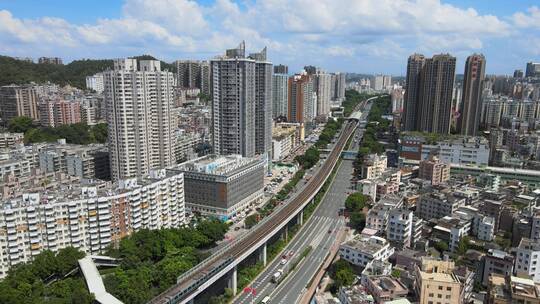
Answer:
(368, 245)
(217, 164)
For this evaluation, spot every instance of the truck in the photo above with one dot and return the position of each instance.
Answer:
(277, 275)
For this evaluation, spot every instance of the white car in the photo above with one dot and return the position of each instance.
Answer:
(283, 261)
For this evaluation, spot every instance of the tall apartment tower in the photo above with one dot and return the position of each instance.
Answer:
(280, 85)
(340, 86)
(471, 102)
(188, 73)
(18, 100)
(323, 83)
(301, 99)
(415, 65)
(533, 69)
(206, 80)
(281, 69)
(263, 102)
(139, 101)
(233, 103)
(435, 106)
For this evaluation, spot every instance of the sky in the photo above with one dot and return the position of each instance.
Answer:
(362, 36)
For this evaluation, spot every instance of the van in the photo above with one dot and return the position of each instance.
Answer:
(265, 300)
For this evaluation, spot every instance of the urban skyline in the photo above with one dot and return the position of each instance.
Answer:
(245, 152)
(356, 42)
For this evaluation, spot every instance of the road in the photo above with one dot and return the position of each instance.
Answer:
(314, 233)
(187, 286)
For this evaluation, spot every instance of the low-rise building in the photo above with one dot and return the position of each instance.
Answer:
(528, 259)
(437, 281)
(510, 289)
(497, 262)
(223, 186)
(8, 139)
(438, 204)
(362, 250)
(377, 216)
(451, 230)
(85, 161)
(434, 170)
(386, 288)
(486, 229)
(373, 166)
(399, 229)
(354, 295)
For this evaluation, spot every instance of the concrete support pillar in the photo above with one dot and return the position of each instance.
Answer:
(301, 218)
(262, 254)
(232, 284)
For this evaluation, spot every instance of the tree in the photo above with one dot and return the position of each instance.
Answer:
(357, 220)
(251, 221)
(396, 273)
(356, 201)
(463, 245)
(441, 246)
(342, 273)
(20, 124)
(344, 277)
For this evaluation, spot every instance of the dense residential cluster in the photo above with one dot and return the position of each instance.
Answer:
(442, 204)
(151, 146)
(450, 208)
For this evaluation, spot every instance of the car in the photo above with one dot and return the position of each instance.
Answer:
(291, 253)
(284, 256)
(236, 228)
(283, 261)
(330, 231)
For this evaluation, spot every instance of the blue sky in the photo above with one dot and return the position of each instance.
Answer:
(365, 36)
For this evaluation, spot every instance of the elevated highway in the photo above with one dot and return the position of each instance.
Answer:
(223, 262)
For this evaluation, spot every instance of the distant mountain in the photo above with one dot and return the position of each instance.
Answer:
(13, 71)
(20, 72)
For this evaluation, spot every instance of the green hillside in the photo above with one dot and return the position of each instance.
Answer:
(20, 72)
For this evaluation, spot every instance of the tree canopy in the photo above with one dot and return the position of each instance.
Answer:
(79, 133)
(152, 260)
(25, 283)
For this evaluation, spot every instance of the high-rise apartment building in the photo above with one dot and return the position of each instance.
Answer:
(281, 69)
(415, 65)
(378, 82)
(280, 84)
(50, 60)
(206, 80)
(234, 101)
(323, 82)
(188, 73)
(18, 100)
(437, 84)
(533, 69)
(471, 104)
(301, 99)
(139, 101)
(53, 113)
(387, 82)
(95, 82)
(339, 90)
(263, 103)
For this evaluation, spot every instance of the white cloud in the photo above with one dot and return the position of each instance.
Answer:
(302, 31)
(531, 19)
